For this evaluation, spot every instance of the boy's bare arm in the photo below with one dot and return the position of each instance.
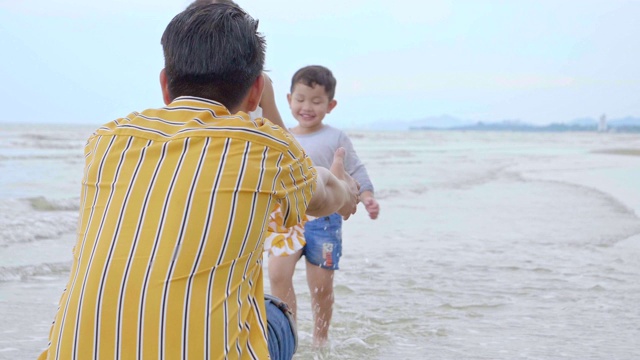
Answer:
(336, 191)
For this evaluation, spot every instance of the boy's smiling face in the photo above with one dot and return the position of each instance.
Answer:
(309, 105)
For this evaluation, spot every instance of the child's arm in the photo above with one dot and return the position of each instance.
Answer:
(335, 191)
(370, 203)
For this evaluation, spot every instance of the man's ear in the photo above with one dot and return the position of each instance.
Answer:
(164, 85)
(255, 94)
(332, 104)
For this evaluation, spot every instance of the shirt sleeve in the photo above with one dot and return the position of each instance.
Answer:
(295, 185)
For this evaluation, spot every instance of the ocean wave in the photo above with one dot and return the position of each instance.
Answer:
(41, 203)
(29, 220)
(60, 144)
(43, 143)
(44, 139)
(59, 133)
(20, 273)
(387, 193)
(65, 156)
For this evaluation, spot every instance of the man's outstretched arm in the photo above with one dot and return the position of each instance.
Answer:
(336, 191)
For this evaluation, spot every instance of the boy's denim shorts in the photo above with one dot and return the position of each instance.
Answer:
(324, 241)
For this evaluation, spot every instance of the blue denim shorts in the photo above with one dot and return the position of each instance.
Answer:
(282, 336)
(324, 241)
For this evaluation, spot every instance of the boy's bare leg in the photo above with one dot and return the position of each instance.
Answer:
(281, 269)
(321, 288)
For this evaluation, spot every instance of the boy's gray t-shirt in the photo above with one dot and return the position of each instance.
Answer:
(322, 144)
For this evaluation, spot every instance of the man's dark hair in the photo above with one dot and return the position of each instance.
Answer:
(197, 3)
(213, 51)
(315, 75)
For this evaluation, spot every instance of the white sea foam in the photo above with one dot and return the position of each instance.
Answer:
(29, 220)
(27, 272)
(41, 203)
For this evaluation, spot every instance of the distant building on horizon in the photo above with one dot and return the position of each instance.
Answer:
(602, 124)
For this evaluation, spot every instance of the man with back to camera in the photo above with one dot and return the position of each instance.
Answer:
(174, 206)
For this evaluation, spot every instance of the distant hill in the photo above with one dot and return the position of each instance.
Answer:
(448, 122)
(584, 122)
(626, 121)
(432, 122)
(439, 122)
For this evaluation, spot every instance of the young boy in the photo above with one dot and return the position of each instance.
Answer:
(310, 100)
(175, 203)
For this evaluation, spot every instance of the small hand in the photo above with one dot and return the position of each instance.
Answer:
(372, 206)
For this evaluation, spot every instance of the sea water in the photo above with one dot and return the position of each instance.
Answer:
(489, 245)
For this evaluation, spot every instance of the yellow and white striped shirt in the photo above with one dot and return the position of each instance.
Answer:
(168, 260)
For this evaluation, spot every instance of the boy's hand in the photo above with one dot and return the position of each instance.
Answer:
(337, 169)
(371, 204)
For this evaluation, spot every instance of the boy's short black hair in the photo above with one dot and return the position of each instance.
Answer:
(213, 51)
(315, 75)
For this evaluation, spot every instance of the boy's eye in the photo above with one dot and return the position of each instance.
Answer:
(317, 102)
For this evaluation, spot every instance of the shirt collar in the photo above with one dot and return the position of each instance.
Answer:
(198, 102)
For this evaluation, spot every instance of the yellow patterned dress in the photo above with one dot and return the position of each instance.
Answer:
(283, 241)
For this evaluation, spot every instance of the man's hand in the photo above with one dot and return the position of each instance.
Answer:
(335, 191)
(352, 186)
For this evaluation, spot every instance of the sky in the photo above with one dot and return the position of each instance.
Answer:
(538, 61)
